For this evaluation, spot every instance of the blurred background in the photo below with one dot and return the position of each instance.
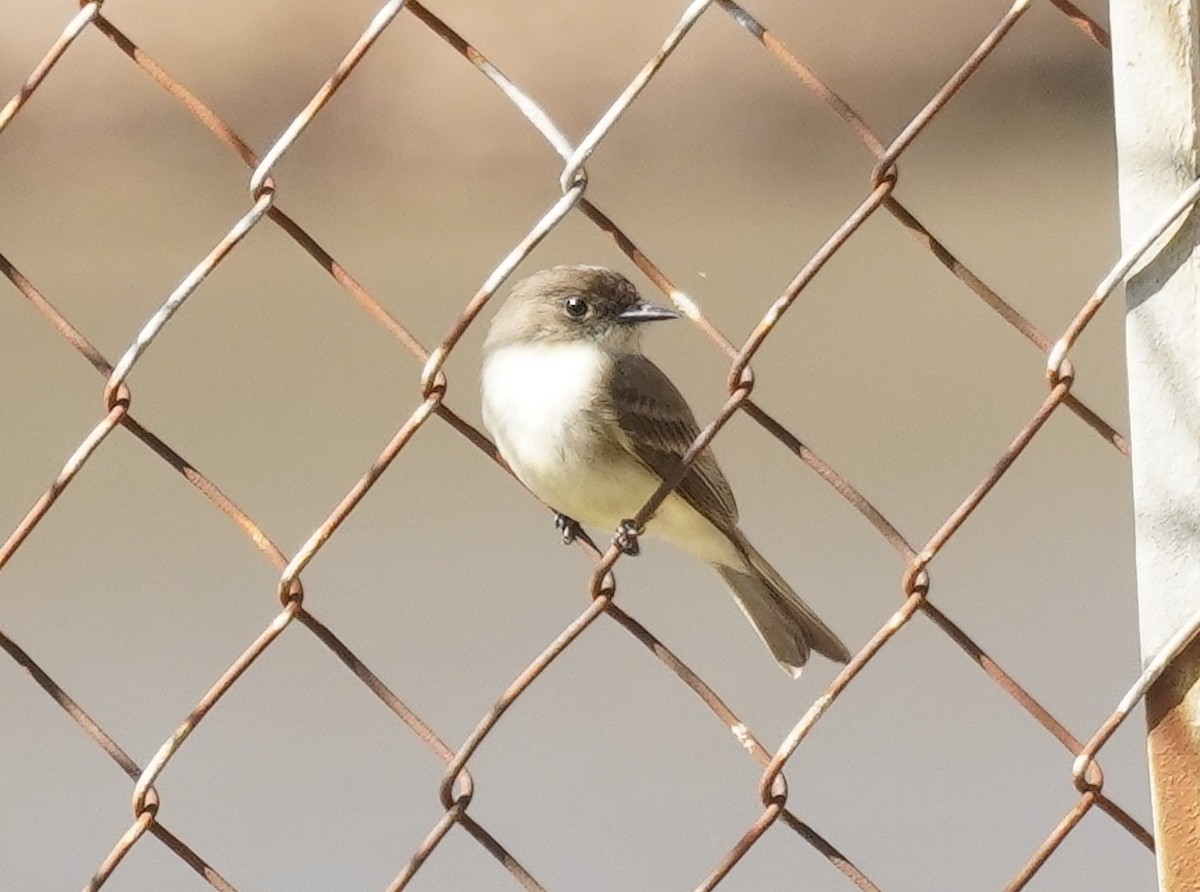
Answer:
(135, 594)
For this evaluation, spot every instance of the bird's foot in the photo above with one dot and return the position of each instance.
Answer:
(626, 538)
(568, 527)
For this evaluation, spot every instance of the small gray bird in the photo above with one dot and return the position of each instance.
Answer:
(592, 427)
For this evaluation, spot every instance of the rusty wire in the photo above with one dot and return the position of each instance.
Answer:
(457, 786)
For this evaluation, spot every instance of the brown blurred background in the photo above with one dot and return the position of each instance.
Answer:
(135, 593)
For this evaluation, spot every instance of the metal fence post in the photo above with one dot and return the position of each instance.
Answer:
(1156, 77)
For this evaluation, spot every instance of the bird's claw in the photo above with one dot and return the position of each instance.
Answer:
(626, 538)
(568, 527)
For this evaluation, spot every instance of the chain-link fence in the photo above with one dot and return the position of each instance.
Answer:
(880, 197)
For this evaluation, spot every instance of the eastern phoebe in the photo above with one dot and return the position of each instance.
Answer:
(592, 427)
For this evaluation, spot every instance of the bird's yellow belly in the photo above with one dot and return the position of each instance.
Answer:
(604, 494)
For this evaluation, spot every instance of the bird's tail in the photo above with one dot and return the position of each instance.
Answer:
(787, 625)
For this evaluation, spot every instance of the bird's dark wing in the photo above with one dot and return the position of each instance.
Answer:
(660, 427)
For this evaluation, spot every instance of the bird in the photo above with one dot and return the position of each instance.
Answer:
(591, 426)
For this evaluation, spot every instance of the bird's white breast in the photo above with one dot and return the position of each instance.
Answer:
(539, 403)
(535, 403)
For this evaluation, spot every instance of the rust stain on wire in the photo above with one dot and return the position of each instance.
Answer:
(457, 786)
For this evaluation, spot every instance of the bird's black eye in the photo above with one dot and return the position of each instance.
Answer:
(576, 307)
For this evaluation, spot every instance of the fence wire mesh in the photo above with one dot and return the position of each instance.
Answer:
(880, 194)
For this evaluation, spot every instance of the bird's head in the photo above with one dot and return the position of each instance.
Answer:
(570, 304)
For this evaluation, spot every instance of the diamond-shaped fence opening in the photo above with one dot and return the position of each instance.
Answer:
(887, 720)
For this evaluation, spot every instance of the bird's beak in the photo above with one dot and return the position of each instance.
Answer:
(647, 312)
